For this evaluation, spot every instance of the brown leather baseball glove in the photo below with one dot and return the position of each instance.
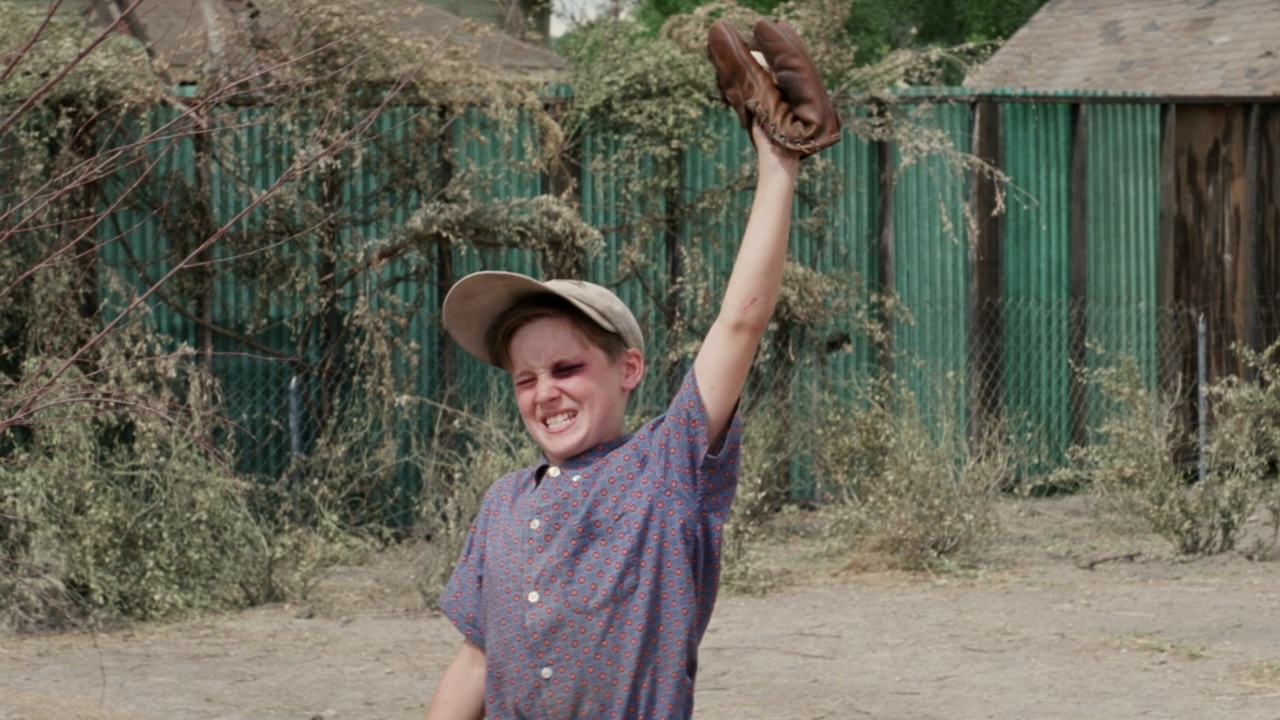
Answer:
(788, 100)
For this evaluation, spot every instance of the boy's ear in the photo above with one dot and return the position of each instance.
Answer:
(632, 362)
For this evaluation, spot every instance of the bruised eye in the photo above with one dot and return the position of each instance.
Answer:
(563, 371)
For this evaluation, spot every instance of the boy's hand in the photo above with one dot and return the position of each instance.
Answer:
(773, 157)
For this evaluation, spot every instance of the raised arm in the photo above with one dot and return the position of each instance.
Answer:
(752, 291)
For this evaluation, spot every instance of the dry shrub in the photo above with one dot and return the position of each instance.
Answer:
(1132, 466)
(1252, 432)
(764, 469)
(110, 509)
(1264, 546)
(913, 490)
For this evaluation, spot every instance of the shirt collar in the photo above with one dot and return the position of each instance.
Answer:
(583, 460)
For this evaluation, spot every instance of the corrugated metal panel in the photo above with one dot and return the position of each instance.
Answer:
(717, 233)
(845, 247)
(931, 263)
(853, 249)
(1123, 197)
(382, 202)
(152, 230)
(251, 155)
(495, 160)
(132, 244)
(633, 223)
(605, 207)
(395, 129)
(1037, 264)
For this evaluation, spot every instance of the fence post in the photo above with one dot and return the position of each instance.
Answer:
(295, 418)
(295, 446)
(885, 243)
(1202, 374)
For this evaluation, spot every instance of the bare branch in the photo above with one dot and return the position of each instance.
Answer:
(52, 82)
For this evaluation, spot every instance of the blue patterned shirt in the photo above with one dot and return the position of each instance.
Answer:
(589, 585)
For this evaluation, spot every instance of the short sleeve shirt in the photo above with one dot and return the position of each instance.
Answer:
(589, 585)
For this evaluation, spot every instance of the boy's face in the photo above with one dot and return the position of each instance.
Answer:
(571, 396)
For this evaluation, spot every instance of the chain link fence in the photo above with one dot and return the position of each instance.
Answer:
(1029, 361)
(1020, 366)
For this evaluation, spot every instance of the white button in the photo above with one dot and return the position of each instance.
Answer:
(533, 596)
(553, 471)
(546, 673)
(534, 524)
(576, 478)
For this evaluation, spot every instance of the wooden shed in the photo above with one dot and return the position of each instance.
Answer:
(1213, 68)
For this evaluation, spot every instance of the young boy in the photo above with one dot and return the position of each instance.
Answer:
(587, 581)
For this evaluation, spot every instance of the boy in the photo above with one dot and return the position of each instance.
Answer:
(587, 581)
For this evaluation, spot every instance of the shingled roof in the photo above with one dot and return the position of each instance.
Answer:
(1169, 48)
(184, 34)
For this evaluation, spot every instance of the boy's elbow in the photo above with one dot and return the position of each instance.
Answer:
(750, 317)
(740, 331)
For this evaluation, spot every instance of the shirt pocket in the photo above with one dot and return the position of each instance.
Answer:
(604, 567)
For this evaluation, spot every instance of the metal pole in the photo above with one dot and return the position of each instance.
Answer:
(1202, 374)
(295, 447)
(295, 417)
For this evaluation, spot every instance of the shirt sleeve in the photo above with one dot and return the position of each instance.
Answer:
(706, 473)
(463, 600)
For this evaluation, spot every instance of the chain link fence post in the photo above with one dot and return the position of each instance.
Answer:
(1202, 374)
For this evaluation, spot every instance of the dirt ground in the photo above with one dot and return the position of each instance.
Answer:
(1062, 620)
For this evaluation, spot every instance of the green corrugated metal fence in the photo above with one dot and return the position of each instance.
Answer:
(931, 268)
(1123, 231)
(1037, 272)
(930, 250)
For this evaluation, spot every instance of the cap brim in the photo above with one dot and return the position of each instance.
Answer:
(476, 301)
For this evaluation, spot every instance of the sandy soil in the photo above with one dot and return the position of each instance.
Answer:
(1062, 620)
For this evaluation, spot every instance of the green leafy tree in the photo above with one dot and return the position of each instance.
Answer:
(653, 13)
(879, 27)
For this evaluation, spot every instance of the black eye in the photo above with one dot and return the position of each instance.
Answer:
(566, 370)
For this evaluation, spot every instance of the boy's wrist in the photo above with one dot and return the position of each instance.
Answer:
(770, 157)
(785, 168)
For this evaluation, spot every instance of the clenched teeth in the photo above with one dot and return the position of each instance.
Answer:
(556, 422)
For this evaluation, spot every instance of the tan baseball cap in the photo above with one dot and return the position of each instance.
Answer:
(476, 301)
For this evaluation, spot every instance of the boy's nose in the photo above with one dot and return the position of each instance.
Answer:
(545, 390)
